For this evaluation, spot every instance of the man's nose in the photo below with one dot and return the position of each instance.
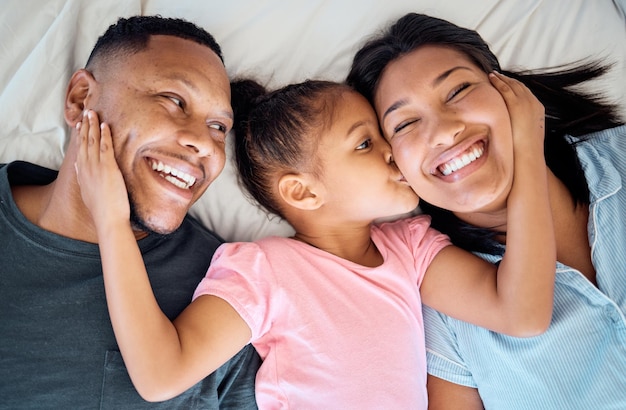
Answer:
(199, 139)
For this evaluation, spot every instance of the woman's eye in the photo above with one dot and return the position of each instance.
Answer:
(458, 90)
(364, 145)
(404, 125)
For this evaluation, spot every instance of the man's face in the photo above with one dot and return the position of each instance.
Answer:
(169, 111)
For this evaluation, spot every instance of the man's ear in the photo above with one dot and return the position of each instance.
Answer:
(301, 191)
(78, 90)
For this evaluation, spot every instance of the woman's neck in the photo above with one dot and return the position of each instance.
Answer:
(570, 224)
(571, 230)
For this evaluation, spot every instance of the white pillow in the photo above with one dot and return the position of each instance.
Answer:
(276, 42)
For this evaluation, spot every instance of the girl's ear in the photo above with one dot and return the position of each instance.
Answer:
(300, 191)
(78, 90)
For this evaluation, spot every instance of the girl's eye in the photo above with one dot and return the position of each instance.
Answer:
(458, 90)
(364, 145)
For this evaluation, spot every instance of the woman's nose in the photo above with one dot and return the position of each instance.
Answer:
(445, 130)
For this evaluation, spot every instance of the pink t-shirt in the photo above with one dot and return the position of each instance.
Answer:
(332, 334)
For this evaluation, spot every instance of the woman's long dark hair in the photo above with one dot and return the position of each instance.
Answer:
(568, 111)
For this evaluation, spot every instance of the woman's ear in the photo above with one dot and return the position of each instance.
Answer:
(78, 90)
(301, 191)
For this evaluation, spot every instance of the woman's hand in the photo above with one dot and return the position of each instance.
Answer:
(101, 183)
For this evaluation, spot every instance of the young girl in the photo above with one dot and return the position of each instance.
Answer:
(334, 311)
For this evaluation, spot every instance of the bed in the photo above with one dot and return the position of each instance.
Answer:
(43, 41)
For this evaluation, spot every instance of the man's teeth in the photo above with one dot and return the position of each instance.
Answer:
(175, 176)
(465, 159)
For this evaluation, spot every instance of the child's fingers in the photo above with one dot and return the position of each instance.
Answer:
(106, 143)
(93, 137)
(516, 94)
(507, 86)
(91, 142)
(81, 140)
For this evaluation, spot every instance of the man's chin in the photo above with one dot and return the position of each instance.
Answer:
(140, 225)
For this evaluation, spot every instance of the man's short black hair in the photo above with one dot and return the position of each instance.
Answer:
(131, 35)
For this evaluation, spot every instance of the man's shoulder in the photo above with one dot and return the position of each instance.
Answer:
(28, 173)
(191, 226)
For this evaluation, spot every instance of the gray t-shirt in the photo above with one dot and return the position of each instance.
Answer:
(57, 347)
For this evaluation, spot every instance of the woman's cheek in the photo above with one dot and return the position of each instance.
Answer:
(408, 161)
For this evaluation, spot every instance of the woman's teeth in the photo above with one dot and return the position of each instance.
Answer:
(175, 176)
(462, 161)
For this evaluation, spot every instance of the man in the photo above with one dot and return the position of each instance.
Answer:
(162, 87)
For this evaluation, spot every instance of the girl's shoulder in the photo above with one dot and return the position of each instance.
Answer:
(264, 249)
(411, 230)
(415, 221)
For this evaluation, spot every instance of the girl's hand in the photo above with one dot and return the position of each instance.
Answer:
(526, 112)
(101, 183)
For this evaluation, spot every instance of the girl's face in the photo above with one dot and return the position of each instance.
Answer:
(360, 180)
(449, 129)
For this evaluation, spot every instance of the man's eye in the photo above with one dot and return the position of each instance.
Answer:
(177, 101)
(218, 126)
(364, 145)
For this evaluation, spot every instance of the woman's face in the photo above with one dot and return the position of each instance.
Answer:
(449, 129)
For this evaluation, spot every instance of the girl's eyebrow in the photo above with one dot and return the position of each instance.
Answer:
(355, 126)
(438, 80)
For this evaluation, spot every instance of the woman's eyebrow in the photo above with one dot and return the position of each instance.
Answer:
(438, 80)
(392, 108)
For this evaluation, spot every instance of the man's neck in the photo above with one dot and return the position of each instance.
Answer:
(56, 207)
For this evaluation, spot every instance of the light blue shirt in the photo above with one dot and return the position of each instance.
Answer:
(580, 362)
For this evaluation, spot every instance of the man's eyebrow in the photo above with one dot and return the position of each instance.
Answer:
(438, 80)
(182, 79)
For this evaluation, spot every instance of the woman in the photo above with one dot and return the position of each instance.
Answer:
(427, 79)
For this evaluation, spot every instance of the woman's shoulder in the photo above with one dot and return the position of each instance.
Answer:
(609, 143)
(614, 136)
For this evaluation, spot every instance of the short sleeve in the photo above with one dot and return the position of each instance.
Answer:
(426, 242)
(241, 275)
(443, 358)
